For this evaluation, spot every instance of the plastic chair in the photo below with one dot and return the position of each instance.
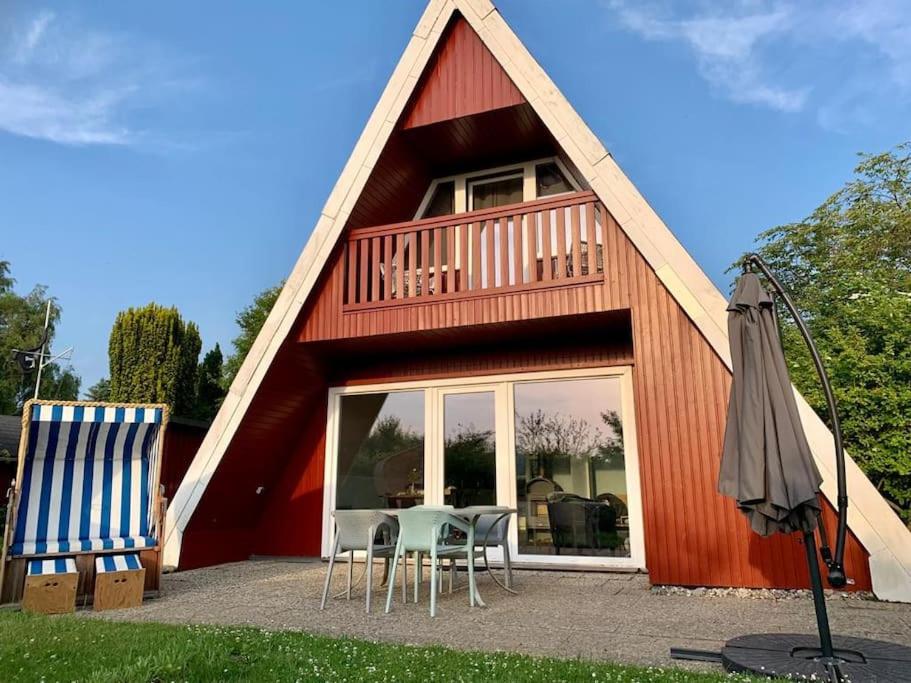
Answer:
(357, 530)
(422, 529)
(492, 531)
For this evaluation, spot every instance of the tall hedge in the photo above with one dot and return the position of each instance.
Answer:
(153, 358)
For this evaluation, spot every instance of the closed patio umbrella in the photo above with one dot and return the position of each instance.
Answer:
(766, 464)
(768, 469)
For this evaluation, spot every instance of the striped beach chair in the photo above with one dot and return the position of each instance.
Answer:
(86, 486)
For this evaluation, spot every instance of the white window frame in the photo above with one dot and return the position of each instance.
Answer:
(484, 179)
(501, 385)
(461, 181)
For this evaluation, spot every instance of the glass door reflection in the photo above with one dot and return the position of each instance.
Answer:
(469, 448)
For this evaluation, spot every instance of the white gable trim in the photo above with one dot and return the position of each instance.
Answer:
(880, 531)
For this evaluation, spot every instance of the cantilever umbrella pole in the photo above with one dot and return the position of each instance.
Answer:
(790, 655)
(834, 563)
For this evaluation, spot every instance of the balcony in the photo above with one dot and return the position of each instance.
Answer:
(552, 242)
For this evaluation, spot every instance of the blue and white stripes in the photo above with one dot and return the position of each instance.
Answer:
(117, 563)
(59, 565)
(88, 479)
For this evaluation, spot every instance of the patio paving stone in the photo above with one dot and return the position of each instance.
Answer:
(593, 615)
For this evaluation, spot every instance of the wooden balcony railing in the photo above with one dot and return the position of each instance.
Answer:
(543, 243)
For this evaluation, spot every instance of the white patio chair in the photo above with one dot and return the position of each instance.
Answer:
(357, 530)
(423, 529)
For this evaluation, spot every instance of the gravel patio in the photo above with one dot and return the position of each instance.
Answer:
(601, 616)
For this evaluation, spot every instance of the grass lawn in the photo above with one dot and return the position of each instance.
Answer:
(34, 648)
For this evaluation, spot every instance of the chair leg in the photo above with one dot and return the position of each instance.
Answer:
(452, 573)
(471, 578)
(418, 575)
(385, 571)
(433, 581)
(507, 564)
(404, 577)
(391, 588)
(322, 604)
(369, 570)
(350, 573)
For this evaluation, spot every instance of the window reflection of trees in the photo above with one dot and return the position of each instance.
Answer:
(470, 466)
(543, 438)
(388, 438)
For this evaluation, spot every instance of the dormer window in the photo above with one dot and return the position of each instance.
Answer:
(489, 188)
(442, 201)
(550, 180)
(486, 192)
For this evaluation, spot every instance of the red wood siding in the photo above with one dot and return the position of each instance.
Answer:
(505, 361)
(224, 524)
(462, 78)
(292, 522)
(693, 535)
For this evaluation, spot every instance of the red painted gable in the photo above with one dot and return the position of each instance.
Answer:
(462, 78)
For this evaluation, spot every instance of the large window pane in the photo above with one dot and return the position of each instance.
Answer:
(486, 194)
(381, 451)
(571, 474)
(469, 449)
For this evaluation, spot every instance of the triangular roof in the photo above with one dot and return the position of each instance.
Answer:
(882, 534)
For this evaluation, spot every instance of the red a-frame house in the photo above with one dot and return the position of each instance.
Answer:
(488, 311)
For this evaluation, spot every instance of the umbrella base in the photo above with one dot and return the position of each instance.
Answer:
(798, 656)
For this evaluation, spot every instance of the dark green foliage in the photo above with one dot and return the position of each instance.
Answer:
(470, 466)
(21, 327)
(250, 321)
(611, 450)
(153, 356)
(209, 391)
(848, 269)
(388, 437)
(100, 391)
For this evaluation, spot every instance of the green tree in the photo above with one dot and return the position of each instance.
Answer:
(153, 358)
(848, 269)
(21, 327)
(100, 391)
(250, 321)
(209, 391)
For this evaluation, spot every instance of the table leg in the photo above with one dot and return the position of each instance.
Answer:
(506, 559)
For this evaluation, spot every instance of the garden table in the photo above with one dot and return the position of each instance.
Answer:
(472, 514)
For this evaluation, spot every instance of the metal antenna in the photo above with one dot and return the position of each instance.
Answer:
(40, 357)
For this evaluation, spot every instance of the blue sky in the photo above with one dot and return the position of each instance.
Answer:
(180, 152)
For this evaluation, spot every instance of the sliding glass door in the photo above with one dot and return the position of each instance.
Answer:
(380, 447)
(571, 479)
(558, 447)
(469, 447)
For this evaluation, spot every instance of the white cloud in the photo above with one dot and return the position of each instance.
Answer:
(29, 40)
(779, 53)
(66, 83)
(37, 112)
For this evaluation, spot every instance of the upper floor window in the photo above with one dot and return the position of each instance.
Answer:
(485, 189)
(550, 180)
(442, 201)
(489, 191)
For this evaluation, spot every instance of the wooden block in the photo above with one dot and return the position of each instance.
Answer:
(50, 593)
(117, 590)
(13, 580)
